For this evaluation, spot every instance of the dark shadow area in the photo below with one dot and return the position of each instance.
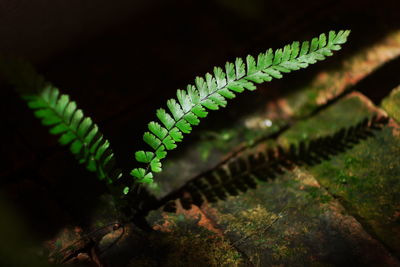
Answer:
(242, 173)
(381, 82)
(90, 245)
(122, 76)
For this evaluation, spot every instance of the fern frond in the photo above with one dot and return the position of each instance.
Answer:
(212, 91)
(64, 118)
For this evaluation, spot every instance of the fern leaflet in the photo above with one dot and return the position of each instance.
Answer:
(210, 93)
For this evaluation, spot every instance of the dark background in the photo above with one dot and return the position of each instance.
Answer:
(121, 60)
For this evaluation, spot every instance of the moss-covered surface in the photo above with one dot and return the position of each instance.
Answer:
(343, 211)
(292, 221)
(365, 178)
(391, 104)
(346, 113)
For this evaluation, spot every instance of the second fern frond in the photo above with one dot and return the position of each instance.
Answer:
(64, 118)
(79, 132)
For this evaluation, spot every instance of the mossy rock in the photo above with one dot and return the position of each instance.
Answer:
(297, 219)
(365, 178)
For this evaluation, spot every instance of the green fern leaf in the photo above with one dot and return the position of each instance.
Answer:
(191, 118)
(251, 65)
(158, 130)
(240, 68)
(169, 143)
(184, 100)
(220, 77)
(269, 58)
(208, 103)
(201, 87)
(144, 156)
(235, 86)
(193, 94)
(230, 72)
(314, 45)
(59, 128)
(211, 92)
(199, 111)
(84, 127)
(218, 100)
(62, 115)
(184, 126)
(226, 93)
(211, 83)
(155, 165)
(287, 51)
(161, 153)
(142, 176)
(165, 118)
(304, 48)
(151, 140)
(175, 109)
(76, 147)
(322, 41)
(277, 57)
(295, 50)
(176, 134)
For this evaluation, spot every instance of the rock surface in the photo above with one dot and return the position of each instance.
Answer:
(344, 210)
